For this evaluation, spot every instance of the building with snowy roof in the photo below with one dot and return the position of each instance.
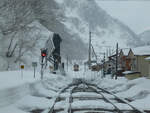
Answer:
(138, 60)
(148, 60)
(124, 61)
(135, 60)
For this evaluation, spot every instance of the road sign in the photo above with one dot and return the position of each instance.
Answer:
(34, 64)
(22, 66)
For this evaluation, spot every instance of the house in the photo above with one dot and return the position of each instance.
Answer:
(135, 60)
(138, 60)
(148, 59)
(127, 64)
(124, 61)
(139, 63)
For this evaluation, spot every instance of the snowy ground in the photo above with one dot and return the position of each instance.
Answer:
(23, 94)
(137, 91)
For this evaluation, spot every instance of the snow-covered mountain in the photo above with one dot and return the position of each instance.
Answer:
(80, 16)
(145, 37)
(72, 19)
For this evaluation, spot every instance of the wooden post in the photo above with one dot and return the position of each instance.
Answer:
(22, 67)
(63, 65)
(89, 61)
(34, 72)
(104, 66)
(116, 61)
(67, 62)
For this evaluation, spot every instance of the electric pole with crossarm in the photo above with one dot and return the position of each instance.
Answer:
(89, 61)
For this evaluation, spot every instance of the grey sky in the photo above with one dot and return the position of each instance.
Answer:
(135, 14)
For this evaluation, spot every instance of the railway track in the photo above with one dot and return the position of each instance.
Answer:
(84, 97)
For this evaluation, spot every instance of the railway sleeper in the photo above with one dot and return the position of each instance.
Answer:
(36, 111)
(93, 98)
(82, 90)
(95, 110)
(99, 110)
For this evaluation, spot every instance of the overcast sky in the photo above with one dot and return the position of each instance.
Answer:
(135, 14)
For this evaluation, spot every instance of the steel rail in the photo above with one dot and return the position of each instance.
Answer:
(123, 101)
(58, 97)
(107, 100)
(96, 89)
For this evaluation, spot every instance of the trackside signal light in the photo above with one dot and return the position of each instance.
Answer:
(43, 54)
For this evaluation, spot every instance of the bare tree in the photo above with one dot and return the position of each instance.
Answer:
(27, 45)
(15, 16)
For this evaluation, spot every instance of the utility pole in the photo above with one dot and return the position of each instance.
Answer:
(109, 51)
(89, 62)
(94, 52)
(116, 61)
(104, 67)
(67, 62)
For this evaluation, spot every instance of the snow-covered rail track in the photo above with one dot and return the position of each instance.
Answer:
(117, 98)
(114, 100)
(83, 97)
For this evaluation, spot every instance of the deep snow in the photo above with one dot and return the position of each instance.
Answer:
(21, 95)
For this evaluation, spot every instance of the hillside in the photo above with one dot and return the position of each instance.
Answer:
(106, 30)
(71, 19)
(145, 37)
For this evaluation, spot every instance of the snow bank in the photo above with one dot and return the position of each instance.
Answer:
(11, 95)
(11, 109)
(13, 79)
(110, 83)
(28, 93)
(30, 103)
(137, 90)
(13, 87)
(142, 103)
